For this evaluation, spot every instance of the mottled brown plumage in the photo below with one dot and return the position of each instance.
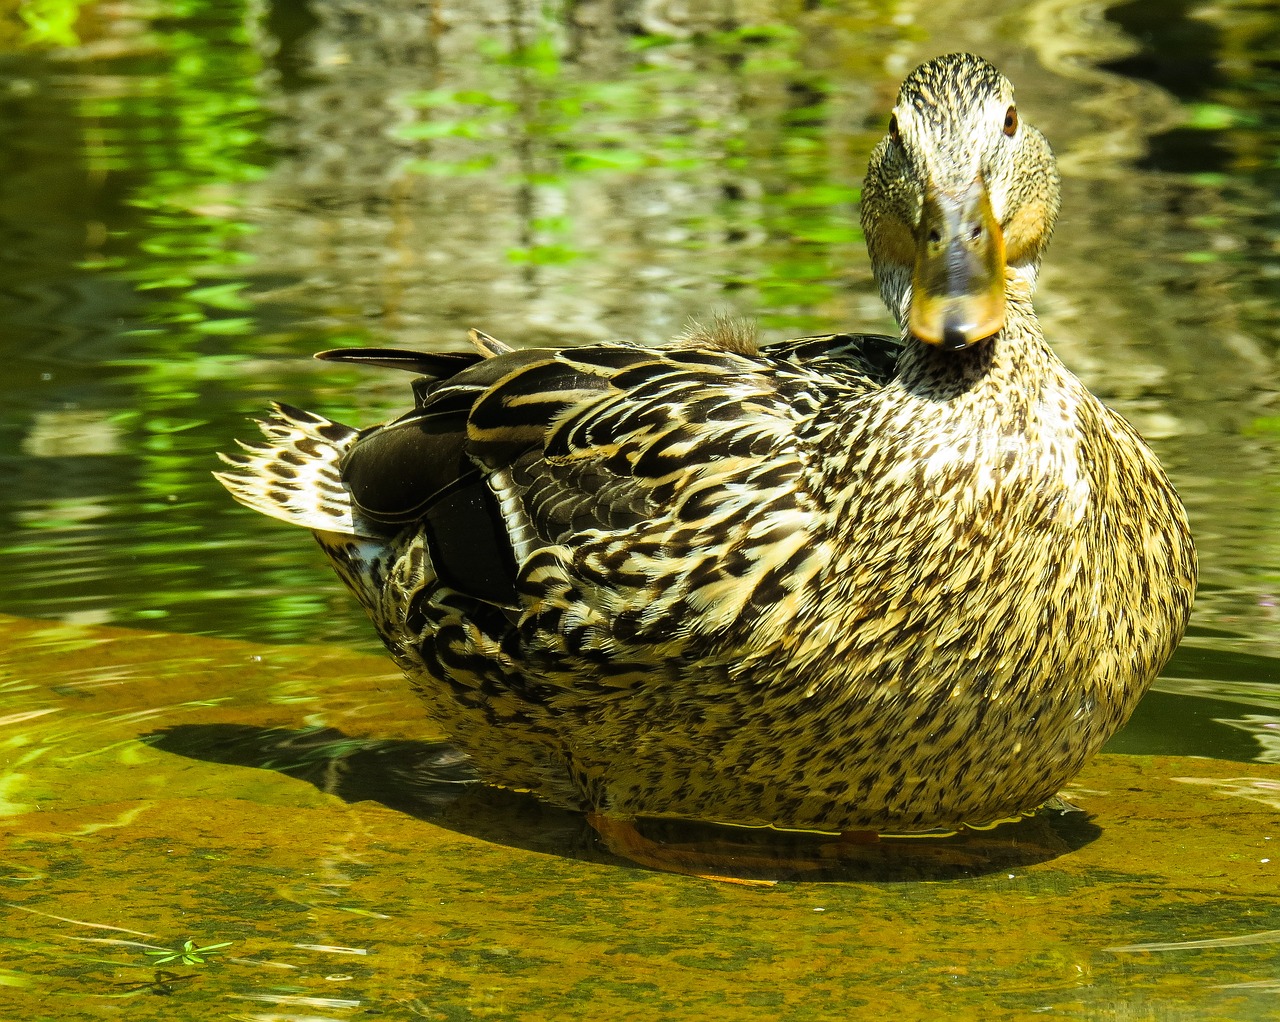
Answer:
(839, 583)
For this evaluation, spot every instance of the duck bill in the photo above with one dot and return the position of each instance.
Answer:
(957, 296)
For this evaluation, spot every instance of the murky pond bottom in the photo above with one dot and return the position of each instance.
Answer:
(291, 804)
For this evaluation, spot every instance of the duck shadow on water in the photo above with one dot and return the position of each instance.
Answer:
(434, 782)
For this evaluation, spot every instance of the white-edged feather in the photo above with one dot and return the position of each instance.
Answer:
(294, 475)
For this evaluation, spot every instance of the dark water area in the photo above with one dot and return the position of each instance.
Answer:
(196, 195)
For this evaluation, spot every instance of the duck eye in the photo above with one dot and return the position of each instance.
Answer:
(1011, 121)
(894, 137)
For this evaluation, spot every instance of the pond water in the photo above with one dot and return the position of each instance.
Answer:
(197, 738)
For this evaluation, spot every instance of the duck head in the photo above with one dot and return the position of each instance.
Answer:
(959, 202)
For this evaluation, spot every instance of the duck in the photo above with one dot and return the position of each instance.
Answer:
(850, 583)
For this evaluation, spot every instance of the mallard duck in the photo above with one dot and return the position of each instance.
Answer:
(840, 583)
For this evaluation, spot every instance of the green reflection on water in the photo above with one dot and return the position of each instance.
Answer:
(538, 119)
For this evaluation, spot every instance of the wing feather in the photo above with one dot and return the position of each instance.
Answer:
(640, 466)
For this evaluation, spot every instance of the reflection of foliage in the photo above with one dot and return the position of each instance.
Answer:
(186, 132)
(540, 121)
(50, 22)
(167, 128)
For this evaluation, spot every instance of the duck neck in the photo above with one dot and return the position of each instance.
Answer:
(1011, 365)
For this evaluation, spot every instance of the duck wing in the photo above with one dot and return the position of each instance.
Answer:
(540, 448)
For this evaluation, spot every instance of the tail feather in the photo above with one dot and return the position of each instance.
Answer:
(294, 475)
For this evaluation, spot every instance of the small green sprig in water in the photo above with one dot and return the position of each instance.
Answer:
(188, 954)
